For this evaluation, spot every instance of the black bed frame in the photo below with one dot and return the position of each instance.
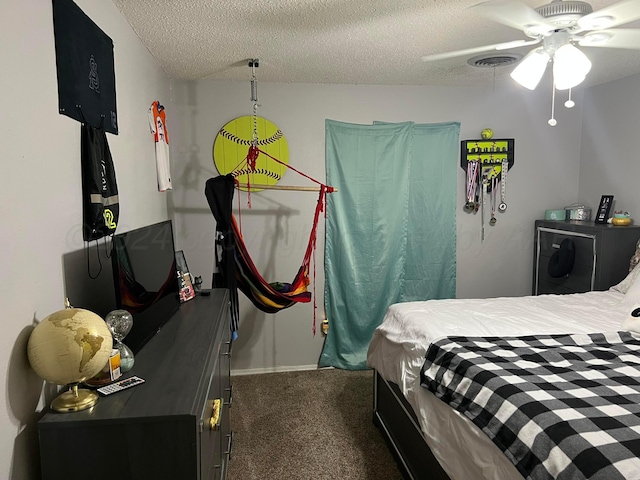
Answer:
(399, 426)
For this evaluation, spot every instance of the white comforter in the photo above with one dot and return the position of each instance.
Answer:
(399, 345)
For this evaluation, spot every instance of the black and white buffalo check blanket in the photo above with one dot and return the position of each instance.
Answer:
(559, 406)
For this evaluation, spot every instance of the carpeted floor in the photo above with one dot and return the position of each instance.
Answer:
(309, 425)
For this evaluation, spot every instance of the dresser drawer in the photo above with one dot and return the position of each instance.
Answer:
(584, 247)
(557, 289)
(215, 420)
(577, 281)
(211, 440)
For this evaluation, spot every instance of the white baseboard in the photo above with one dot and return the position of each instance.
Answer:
(287, 368)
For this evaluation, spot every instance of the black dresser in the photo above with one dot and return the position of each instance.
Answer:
(601, 260)
(174, 426)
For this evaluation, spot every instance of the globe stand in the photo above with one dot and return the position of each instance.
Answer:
(74, 399)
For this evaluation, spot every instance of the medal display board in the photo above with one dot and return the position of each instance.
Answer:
(490, 153)
(486, 163)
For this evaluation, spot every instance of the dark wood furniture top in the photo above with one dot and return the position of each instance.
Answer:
(159, 429)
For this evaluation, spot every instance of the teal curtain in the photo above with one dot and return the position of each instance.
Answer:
(390, 229)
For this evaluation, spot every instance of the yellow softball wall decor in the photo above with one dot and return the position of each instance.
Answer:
(232, 144)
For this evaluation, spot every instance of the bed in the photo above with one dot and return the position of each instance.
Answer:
(431, 439)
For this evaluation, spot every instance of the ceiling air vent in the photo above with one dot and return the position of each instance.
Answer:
(494, 60)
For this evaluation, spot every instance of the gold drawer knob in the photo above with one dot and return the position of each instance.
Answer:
(216, 411)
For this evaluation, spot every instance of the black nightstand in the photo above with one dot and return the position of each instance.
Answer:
(602, 255)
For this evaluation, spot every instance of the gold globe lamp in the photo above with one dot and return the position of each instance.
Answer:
(67, 348)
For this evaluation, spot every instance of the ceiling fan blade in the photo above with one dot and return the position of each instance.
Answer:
(514, 14)
(471, 51)
(611, 16)
(613, 38)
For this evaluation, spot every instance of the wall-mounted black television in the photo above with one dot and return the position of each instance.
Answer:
(146, 282)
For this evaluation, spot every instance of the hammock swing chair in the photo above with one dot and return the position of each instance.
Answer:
(234, 267)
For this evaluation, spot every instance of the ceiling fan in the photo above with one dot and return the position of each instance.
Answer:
(560, 27)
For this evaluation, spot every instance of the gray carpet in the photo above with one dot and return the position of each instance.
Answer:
(307, 425)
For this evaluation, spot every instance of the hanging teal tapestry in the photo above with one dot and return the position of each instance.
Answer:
(390, 230)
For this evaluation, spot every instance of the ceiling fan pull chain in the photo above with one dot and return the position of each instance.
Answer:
(552, 121)
(569, 103)
(494, 80)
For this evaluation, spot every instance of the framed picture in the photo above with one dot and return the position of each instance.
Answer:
(602, 215)
(185, 284)
(181, 262)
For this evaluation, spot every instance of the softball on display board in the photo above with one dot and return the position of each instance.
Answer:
(232, 144)
(486, 134)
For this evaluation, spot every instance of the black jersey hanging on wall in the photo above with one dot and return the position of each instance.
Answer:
(87, 93)
(85, 66)
(100, 203)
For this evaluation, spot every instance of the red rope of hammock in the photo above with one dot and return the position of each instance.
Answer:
(250, 160)
(254, 151)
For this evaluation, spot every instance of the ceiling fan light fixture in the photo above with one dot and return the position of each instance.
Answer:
(570, 67)
(530, 70)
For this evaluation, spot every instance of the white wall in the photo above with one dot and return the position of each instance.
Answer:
(40, 197)
(609, 151)
(276, 228)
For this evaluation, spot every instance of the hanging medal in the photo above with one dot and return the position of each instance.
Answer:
(503, 186)
(494, 188)
(485, 184)
(472, 173)
(467, 204)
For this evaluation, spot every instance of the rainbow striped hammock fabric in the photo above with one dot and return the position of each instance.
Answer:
(236, 270)
(274, 296)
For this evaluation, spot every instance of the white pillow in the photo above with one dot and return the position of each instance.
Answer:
(632, 322)
(631, 298)
(625, 284)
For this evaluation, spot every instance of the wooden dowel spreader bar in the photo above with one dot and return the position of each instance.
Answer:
(281, 187)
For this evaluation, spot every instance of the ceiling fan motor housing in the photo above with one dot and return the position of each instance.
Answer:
(564, 13)
(554, 41)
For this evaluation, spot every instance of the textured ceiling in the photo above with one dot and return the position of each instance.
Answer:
(336, 41)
